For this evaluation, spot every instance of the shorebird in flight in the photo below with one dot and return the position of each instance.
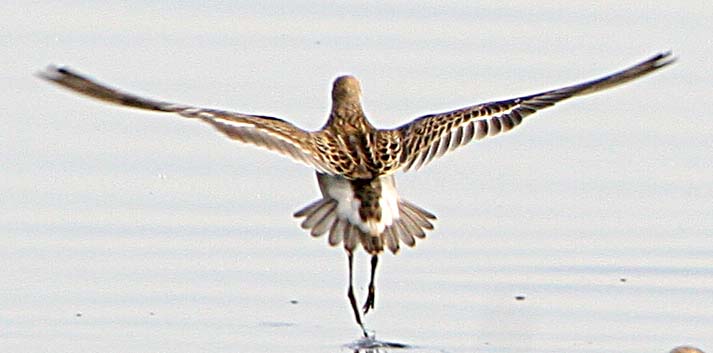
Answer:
(355, 162)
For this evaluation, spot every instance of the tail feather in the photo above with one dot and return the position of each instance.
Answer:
(418, 215)
(309, 208)
(391, 240)
(318, 213)
(404, 234)
(324, 224)
(412, 226)
(321, 217)
(336, 233)
(351, 237)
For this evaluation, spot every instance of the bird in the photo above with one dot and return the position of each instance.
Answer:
(355, 162)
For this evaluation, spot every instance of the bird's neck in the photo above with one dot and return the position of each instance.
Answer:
(348, 116)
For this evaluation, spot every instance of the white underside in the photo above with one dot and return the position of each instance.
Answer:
(340, 189)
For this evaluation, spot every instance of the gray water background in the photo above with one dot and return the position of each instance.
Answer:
(125, 231)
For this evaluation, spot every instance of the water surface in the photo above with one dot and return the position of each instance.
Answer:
(125, 231)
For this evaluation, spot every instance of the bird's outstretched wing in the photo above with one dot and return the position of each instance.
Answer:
(264, 131)
(433, 135)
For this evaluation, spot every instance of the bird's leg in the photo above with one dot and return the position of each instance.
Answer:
(350, 295)
(369, 304)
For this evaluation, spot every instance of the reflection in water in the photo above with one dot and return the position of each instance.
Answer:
(372, 345)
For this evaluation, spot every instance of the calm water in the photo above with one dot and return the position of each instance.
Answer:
(123, 231)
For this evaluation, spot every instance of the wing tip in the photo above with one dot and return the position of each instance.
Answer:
(57, 73)
(51, 73)
(664, 58)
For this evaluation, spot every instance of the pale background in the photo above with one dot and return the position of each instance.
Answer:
(125, 231)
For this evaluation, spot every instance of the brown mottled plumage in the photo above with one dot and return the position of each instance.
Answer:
(355, 161)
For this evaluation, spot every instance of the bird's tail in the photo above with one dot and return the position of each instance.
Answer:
(321, 217)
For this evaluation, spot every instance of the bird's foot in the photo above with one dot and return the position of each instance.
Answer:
(369, 304)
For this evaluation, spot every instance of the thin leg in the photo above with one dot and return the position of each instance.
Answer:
(369, 304)
(350, 295)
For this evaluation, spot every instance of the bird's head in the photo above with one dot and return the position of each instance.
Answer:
(346, 90)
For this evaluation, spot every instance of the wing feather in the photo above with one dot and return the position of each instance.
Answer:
(263, 131)
(433, 135)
